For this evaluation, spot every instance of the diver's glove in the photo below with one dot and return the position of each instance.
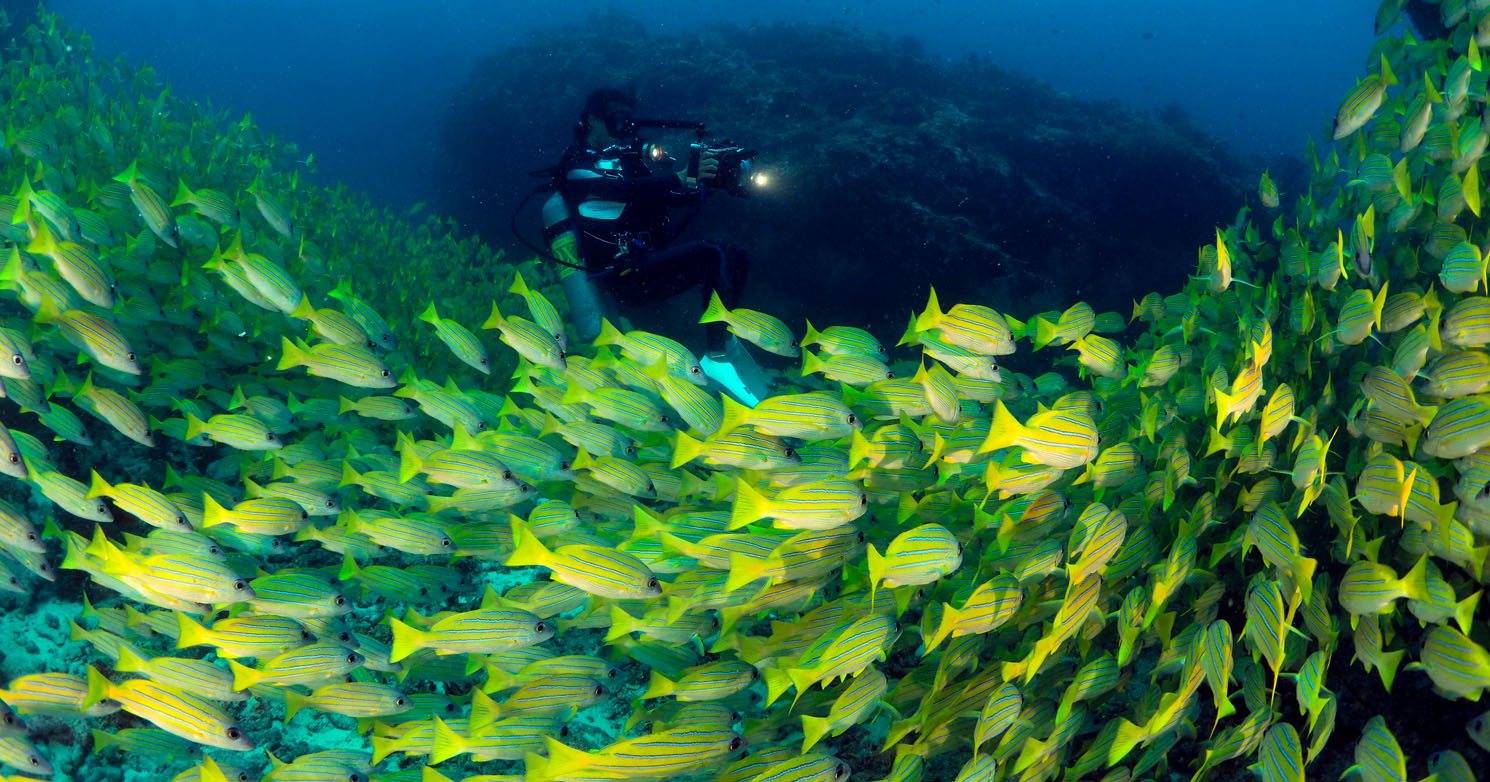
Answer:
(737, 373)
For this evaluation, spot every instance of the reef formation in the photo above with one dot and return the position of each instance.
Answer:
(884, 160)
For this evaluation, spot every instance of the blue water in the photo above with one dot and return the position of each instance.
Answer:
(364, 84)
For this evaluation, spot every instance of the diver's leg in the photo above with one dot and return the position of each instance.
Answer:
(589, 302)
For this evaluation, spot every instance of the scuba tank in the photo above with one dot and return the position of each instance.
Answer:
(588, 305)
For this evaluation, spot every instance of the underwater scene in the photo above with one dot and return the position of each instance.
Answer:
(1155, 462)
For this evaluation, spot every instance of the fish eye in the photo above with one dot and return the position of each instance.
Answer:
(234, 733)
(695, 370)
(401, 702)
(340, 601)
(344, 637)
(652, 584)
(889, 375)
(540, 627)
(268, 437)
(305, 635)
(863, 500)
(563, 731)
(31, 536)
(15, 458)
(790, 453)
(352, 658)
(385, 373)
(629, 451)
(239, 584)
(852, 419)
(17, 359)
(242, 776)
(445, 543)
(754, 674)
(735, 743)
(611, 673)
(330, 503)
(840, 771)
(563, 465)
(483, 362)
(599, 691)
(130, 355)
(506, 475)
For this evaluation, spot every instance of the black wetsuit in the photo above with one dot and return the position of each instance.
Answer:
(622, 211)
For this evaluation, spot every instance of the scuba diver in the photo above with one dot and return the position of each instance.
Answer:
(611, 219)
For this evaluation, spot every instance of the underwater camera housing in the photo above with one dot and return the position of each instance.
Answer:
(734, 172)
(734, 175)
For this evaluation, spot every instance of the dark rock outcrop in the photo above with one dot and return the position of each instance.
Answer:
(892, 171)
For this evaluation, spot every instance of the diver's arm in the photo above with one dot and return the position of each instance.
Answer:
(585, 184)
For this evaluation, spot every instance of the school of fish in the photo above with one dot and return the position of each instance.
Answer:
(286, 481)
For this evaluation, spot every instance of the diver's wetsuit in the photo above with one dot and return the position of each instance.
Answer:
(621, 210)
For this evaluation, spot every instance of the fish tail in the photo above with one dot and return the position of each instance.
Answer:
(716, 311)
(812, 336)
(409, 463)
(1003, 432)
(493, 321)
(243, 676)
(658, 686)
(102, 741)
(213, 514)
(685, 449)
(742, 571)
(292, 357)
(813, 730)
(1386, 666)
(189, 632)
(1128, 736)
(1464, 609)
(858, 448)
(484, 710)
(294, 702)
(931, 315)
(98, 688)
(129, 661)
(950, 618)
(802, 680)
(98, 487)
(304, 310)
(735, 415)
(406, 640)
(621, 624)
(749, 506)
(877, 565)
(1224, 404)
(183, 194)
(1415, 583)
(562, 759)
(519, 285)
(382, 747)
(446, 744)
(811, 364)
(1045, 333)
(609, 334)
(527, 549)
